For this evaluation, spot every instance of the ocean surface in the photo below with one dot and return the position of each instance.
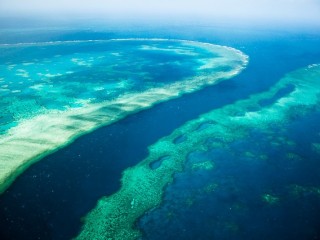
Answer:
(260, 182)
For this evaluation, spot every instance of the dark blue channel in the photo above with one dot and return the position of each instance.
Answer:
(49, 199)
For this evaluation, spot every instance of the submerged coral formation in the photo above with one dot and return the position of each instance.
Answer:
(316, 147)
(270, 199)
(114, 217)
(79, 86)
(298, 191)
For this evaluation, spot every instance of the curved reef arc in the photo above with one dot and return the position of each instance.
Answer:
(142, 189)
(40, 132)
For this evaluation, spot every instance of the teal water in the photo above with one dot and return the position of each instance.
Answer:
(251, 191)
(80, 92)
(58, 76)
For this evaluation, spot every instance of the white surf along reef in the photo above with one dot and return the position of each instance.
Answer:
(51, 93)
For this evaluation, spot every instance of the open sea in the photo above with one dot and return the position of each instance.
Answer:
(263, 184)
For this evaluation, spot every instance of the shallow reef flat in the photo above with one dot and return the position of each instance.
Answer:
(115, 216)
(52, 93)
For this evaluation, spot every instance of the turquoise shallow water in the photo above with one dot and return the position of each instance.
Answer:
(57, 100)
(39, 77)
(267, 192)
(244, 195)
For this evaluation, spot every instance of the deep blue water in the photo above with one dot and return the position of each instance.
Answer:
(235, 208)
(48, 200)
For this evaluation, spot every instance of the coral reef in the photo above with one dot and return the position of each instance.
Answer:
(114, 218)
